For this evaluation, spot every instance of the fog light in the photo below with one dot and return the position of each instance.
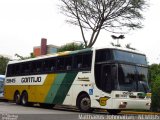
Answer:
(123, 105)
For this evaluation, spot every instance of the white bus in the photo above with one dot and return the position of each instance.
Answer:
(2, 77)
(111, 78)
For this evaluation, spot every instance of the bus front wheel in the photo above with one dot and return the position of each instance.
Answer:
(17, 98)
(84, 103)
(24, 99)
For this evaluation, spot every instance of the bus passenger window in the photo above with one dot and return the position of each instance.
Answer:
(49, 65)
(79, 65)
(38, 66)
(78, 61)
(87, 60)
(103, 55)
(68, 67)
(10, 70)
(60, 64)
(68, 62)
(83, 61)
(46, 66)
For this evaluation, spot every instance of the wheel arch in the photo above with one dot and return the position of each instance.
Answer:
(24, 91)
(81, 93)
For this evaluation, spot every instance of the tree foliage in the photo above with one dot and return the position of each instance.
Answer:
(154, 81)
(3, 63)
(154, 71)
(156, 94)
(24, 58)
(111, 15)
(71, 47)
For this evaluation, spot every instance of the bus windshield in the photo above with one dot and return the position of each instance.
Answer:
(129, 57)
(132, 78)
(130, 71)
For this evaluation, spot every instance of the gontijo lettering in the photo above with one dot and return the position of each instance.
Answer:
(31, 79)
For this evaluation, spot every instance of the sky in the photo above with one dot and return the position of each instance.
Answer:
(24, 22)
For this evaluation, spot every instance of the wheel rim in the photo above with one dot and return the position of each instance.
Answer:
(17, 98)
(85, 104)
(24, 99)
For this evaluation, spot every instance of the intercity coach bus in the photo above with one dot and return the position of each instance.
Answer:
(111, 78)
(2, 77)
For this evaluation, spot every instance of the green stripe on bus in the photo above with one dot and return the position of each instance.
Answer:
(54, 88)
(64, 88)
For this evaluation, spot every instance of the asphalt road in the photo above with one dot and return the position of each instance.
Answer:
(11, 111)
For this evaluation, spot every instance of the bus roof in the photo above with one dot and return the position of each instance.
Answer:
(51, 55)
(74, 52)
(120, 48)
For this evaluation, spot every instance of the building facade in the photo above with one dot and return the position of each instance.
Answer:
(44, 48)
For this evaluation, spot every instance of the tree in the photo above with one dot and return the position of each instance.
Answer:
(71, 47)
(111, 15)
(155, 106)
(154, 71)
(3, 64)
(154, 81)
(24, 58)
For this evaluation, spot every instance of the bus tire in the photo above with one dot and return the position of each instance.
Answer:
(17, 98)
(113, 111)
(84, 103)
(24, 99)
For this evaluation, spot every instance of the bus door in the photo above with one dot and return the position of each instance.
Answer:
(109, 77)
(109, 81)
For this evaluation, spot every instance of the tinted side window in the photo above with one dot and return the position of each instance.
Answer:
(78, 60)
(87, 58)
(9, 70)
(25, 69)
(64, 63)
(14, 70)
(49, 65)
(17, 69)
(60, 64)
(35, 67)
(103, 55)
(83, 61)
(68, 63)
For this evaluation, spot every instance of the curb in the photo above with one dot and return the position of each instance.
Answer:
(144, 113)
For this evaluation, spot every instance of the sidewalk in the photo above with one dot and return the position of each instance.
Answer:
(139, 112)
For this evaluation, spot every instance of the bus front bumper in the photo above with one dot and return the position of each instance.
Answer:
(143, 104)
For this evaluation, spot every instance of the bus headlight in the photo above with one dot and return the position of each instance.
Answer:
(148, 104)
(123, 105)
